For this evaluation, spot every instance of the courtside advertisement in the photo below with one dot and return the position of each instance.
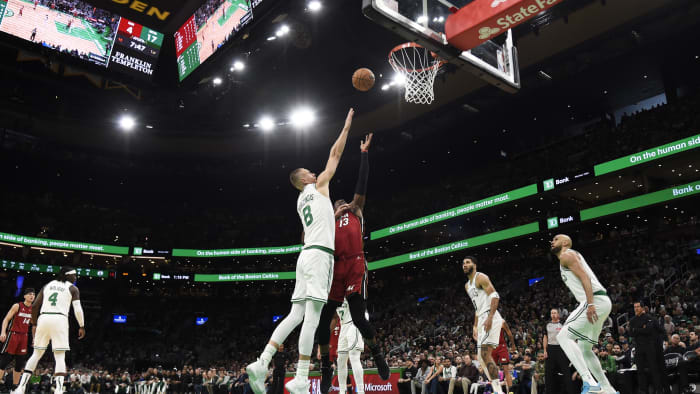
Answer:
(372, 382)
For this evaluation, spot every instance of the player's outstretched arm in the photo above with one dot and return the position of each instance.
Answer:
(358, 201)
(337, 149)
(6, 321)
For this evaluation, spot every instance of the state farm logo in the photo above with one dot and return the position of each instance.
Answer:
(514, 16)
(486, 32)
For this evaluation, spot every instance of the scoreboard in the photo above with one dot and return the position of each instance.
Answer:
(136, 49)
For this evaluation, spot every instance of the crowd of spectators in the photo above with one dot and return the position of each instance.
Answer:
(422, 316)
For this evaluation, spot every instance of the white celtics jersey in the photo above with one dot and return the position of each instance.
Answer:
(57, 298)
(574, 283)
(481, 300)
(344, 313)
(317, 216)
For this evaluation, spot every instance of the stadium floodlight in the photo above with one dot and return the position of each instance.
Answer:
(238, 65)
(217, 81)
(315, 5)
(266, 123)
(127, 123)
(302, 117)
(399, 79)
(385, 86)
(271, 38)
(282, 31)
(422, 19)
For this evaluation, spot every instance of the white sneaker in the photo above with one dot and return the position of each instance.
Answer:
(18, 390)
(298, 386)
(256, 375)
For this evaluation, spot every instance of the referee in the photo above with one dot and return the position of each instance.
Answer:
(556, 363)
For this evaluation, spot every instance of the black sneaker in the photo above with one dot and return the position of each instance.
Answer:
(326, 379)
(382, 366)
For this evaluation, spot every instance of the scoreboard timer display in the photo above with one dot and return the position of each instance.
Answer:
(136, 49)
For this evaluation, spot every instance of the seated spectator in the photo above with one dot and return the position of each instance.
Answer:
(675, 346)
(406, 380)
(526, 370)
(467, 374)
(446, 380)
(540, 373)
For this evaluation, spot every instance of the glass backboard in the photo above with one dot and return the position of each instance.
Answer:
(423, 21)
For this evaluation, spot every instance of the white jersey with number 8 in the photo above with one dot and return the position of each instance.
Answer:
(316, 213)
(57, 298)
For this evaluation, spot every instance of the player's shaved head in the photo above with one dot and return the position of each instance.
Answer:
(565, 240)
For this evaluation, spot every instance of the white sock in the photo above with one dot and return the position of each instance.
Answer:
(23, 382)
(59, 384)
(573, 352)
(496, 386)
(357, 371)
(342, 371)
(593, 364)
(303, 369)
(267, 354)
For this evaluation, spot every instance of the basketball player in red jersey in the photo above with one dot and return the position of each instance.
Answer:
(14, 336)
(350, 275)
(35, 3)
(500, 353)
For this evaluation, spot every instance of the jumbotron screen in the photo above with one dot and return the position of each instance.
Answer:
(207, 30)
(83, 31)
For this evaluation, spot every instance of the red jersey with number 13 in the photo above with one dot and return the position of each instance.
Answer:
(348, 236)
(20, 322)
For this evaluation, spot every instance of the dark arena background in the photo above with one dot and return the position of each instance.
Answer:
(149, 144)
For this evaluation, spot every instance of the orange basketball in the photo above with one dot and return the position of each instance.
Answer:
(363, 79)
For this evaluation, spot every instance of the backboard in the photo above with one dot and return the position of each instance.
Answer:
(422, 21)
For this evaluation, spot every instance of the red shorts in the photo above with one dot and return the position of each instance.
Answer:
(349, 276)
(500, 355)
(15, 344)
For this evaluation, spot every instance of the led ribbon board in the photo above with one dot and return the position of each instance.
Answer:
(237, 252)
(641, 201)
(68, 245)
(488, 202)
(648, 155)
(51, 269)
(244, 277)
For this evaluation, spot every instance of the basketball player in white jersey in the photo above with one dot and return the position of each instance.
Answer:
(314, 272)
(350, 345)
(50, 317)
(487, 320)
(586, 322)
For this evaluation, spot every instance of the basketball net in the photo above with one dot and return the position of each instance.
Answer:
(418, 66)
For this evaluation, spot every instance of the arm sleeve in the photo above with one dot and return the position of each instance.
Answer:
(361, 187)
(78, 310)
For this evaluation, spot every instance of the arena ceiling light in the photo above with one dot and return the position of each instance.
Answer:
(238, 65)
(266, 123)
(302, 117)
(127, 123)
(315, 5)
(217, 81)
(282, 31)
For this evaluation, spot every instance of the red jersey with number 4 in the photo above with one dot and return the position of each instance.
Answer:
(348, 236)
(20, 322)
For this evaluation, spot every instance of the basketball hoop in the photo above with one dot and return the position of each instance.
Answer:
(418, 66)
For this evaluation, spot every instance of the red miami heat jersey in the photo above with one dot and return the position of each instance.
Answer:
(20, 322)
(348, 236)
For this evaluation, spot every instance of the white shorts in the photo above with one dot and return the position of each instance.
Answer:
(314, 276)
(578, 327)
(492, 337)
(350, 339)
(52, 328)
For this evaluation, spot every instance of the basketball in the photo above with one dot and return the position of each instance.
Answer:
(363, 79)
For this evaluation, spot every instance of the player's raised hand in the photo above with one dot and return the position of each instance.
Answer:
(591, 314)
(348, 120)
(364, 144)
(81, 333)
(341, 209)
